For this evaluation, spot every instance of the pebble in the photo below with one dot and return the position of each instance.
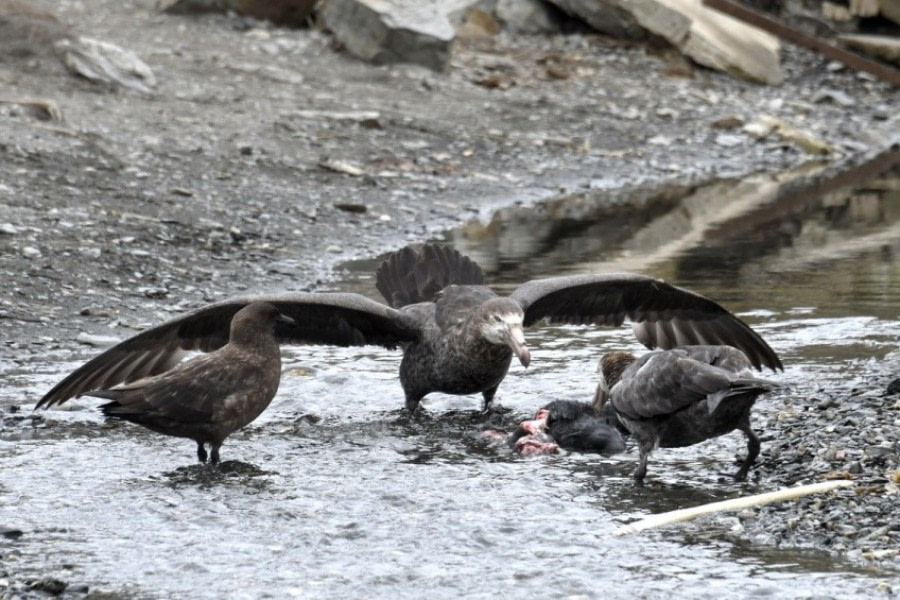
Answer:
(727, 140)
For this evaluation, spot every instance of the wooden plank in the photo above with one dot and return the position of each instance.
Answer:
(795, 36)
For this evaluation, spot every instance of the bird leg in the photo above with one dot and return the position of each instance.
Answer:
(488, 396)
(201, 452)
(214, 458)
(412, 403)
(645, 447)
(753, 446)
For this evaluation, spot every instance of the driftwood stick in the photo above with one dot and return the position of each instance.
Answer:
(686, 514)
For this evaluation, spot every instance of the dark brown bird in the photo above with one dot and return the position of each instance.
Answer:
(681, 397)
(212, 396)
(458, 336)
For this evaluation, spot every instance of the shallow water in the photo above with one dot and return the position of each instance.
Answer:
(338, 494)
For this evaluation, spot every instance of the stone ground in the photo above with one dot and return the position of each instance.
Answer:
(266, 156)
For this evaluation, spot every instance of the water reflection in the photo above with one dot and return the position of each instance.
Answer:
(797, 256)
(770, 241)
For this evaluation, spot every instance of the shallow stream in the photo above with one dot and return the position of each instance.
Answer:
(337, 494)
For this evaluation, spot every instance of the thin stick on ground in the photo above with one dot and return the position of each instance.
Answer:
(687, 514)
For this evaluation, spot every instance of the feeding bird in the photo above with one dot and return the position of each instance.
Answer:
(681, 397)
(457, 335)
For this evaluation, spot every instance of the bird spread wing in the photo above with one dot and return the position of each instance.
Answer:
(185, 395)
(662, 315)
(341, 319)
(419, 271)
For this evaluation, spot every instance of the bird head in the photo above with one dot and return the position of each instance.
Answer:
(501, 324)
(610, 368)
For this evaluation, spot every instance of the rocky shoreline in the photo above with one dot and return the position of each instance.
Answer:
(848, 433)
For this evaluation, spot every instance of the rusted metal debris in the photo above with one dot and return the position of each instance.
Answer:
(851, 59)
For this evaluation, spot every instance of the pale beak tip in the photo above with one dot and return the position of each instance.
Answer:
(525, 359)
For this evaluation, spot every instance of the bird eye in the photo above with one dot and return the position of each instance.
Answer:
(498, 318)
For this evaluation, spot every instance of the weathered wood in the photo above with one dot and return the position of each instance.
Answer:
(795, 36)
(687, 514)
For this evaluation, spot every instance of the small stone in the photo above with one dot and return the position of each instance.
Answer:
(351, 207)
(727, 140)
(180, 191)
(894, 387)
(31, 252)
(153, 292)
(836, 96)
(8, 229)
(49, 585)
(727, 123)
(98, 341)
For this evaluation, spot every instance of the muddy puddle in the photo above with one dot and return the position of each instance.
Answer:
(335, 493)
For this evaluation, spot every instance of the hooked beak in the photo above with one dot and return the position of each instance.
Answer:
(515, 339)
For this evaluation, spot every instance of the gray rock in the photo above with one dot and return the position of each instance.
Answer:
(104, 62)
(99, 341)
(527, 16)
(730, 140)
(634, 19)
(391, 31)
(729, 45)
(836, 96)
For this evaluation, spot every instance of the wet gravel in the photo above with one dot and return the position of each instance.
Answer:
(850, 432)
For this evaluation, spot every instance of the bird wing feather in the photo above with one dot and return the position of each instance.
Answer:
(663, 383)
(662, 315)
(341, 319)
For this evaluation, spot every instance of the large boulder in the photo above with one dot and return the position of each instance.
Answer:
(527, 16)
(707, 36)
(390, 31)
(633, 19)
(726, 44)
